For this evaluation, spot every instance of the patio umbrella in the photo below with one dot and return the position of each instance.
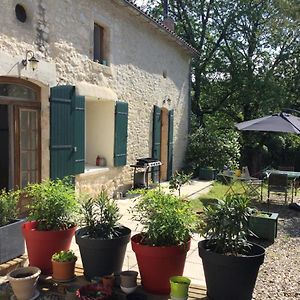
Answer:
(280, 122)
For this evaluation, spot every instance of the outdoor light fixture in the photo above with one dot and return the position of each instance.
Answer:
(31, 59)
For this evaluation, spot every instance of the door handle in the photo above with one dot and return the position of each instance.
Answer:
(74, 149)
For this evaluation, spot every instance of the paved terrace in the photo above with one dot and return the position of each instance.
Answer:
(193, 266)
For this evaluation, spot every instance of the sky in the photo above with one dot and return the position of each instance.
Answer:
(141, 2)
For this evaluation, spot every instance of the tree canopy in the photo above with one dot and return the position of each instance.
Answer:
(249, 58)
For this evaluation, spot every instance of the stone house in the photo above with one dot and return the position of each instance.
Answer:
(110, 81)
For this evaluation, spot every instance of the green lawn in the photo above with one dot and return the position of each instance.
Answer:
(216, 192)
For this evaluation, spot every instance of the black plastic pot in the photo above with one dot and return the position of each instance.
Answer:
(230, 277)
(102, 257)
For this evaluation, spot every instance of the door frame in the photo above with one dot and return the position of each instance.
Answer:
(14, 106)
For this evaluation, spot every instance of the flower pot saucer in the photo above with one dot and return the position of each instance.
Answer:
(64, 280)
(36, 294)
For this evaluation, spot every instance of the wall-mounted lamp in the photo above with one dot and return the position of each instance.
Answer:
(31, 59)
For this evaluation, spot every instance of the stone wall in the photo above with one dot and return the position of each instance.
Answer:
(61, 34)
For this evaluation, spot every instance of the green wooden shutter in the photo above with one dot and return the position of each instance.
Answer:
(170, 144)
(121, 125)
(66, 132)
(79, 137)
(156, 138)
(156, 133)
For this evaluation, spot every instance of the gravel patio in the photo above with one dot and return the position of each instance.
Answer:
(279, 276)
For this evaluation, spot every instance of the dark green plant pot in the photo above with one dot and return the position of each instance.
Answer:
(102, 257)
(207, 174)
(264, 227)
(230, 277)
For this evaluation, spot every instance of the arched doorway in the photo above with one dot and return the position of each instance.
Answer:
(20, 154)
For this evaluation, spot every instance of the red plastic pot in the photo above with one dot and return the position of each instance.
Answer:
(41, 245)
(158, 264)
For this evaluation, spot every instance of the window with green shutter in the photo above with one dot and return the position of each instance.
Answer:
(66, 132)
(121, 128)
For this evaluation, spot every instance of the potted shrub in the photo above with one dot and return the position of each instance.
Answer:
(102, 241)
(12, 243)
(230, 262)
(52, 211)
(63, 265)
(161, 247)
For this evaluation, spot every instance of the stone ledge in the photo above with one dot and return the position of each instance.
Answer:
(10, 265)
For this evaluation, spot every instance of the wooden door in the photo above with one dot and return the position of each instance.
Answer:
(164, 143)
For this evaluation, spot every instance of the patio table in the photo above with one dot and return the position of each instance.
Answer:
(290, 174)
(247, 183)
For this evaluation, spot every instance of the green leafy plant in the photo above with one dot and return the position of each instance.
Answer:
(210, 147)
(53, 204)
(64, 256)
(8, 206)
(100, 216)
(167, 220)
(178, 180)
(225, 224)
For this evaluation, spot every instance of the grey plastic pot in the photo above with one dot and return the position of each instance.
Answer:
(99, 256)
(12, 242)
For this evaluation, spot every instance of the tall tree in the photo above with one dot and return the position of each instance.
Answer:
(248, 59)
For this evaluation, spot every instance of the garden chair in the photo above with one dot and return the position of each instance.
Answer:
(278, 183)
(254, 184)
(296, 181)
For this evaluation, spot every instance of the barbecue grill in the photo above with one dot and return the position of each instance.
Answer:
(142, 168)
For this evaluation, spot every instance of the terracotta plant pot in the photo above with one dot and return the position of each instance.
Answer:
(63, 271)
(23, 282)
(108, 281)
(158, 264)
(41, 245)
(179, 287)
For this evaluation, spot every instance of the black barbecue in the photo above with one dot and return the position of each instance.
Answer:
(142, 168)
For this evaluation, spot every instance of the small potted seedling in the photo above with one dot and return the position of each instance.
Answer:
(63, 265)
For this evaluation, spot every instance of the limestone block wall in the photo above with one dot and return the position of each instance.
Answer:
(61, 34)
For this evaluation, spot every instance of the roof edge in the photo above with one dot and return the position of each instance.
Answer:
(155, 22)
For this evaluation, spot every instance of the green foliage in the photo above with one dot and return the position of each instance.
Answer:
(52, 204)
(178, 180)
(225, 224)
(8, 206)
(64, 256)
(213, 148)
(100, 216)
(248, 62)
(167, 220)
